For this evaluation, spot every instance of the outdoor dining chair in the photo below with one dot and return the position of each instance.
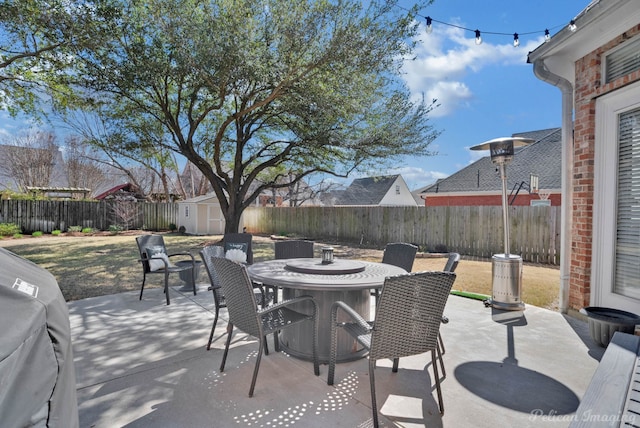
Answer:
(292, 249)
(239, 241)
(155, 260)
(398, 254)
(242, 242)
(295, 248)
(245, 315)
(397, 333)
(207, 254)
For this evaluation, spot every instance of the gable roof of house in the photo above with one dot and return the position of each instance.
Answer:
(542, 158)
(366, 191)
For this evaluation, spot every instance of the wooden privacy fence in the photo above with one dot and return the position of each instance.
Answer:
(45, 216)
(472, 231)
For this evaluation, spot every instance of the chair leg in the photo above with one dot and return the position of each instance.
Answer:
(144, 278)
(436, 376)
(441, 344)
(226, 346)
(213, 327)
(372, 383)
(193, 280)
(440, 351)
(166, 285)
(257, 367)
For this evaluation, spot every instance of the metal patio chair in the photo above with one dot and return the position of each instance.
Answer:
(243, 242)
(245, 315)
(155, 260)
(240, 241)
(207, 254)
(398, 254)
(407, 322)
(293, 249)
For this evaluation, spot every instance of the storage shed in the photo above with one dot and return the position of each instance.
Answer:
(201, 215)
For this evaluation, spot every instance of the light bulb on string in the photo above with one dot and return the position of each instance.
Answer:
(547, 36)
(478, 38)
(429, 26)
(516, 40)
(572, 26)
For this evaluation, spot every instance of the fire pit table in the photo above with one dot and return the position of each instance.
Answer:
(346, 280)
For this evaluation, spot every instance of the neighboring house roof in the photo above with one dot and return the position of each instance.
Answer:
(126, 191)
(369, 190)
(209, 198)
(542, 158)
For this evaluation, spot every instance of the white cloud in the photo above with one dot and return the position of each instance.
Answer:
(417, 177)
(445, 57)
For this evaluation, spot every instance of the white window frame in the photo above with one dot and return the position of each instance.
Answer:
(608, 108)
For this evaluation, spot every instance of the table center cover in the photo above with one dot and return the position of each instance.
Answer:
(315, 266)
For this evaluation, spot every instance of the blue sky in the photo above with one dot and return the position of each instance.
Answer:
(485, 91)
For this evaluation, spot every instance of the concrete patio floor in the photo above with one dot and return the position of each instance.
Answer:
(144, 364)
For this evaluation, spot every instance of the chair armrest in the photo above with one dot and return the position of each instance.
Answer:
(185, 253)
(290, 302)
(356, 317)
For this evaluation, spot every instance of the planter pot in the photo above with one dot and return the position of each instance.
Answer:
(604, 322)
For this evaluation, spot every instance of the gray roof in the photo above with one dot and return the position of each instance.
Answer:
(366, 191)
(542, 158)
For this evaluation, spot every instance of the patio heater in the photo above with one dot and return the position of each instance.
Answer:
(506, 268)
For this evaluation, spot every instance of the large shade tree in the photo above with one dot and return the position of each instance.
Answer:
(37, 38)
(255, 91)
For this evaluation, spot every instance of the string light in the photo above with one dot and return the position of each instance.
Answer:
(478, 33)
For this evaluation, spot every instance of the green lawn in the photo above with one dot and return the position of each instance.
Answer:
(89, 266)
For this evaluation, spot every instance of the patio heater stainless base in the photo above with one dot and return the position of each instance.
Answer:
(507, 282)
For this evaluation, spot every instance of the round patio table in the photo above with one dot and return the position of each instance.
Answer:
(348, 280)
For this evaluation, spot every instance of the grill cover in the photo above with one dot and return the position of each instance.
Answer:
(37, 374)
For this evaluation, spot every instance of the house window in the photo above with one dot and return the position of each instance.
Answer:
(627, 250)
(397, 189)
(540, 203)
(622, 60)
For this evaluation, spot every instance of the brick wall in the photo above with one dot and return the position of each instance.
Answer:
(588, 88)
(434, 200)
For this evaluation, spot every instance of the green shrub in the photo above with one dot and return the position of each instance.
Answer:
(17, 235)
(172, 227)
(9, 229)
(87, 230)
(56, 232)
(75, 228)
(114, 229)
(37, 233)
